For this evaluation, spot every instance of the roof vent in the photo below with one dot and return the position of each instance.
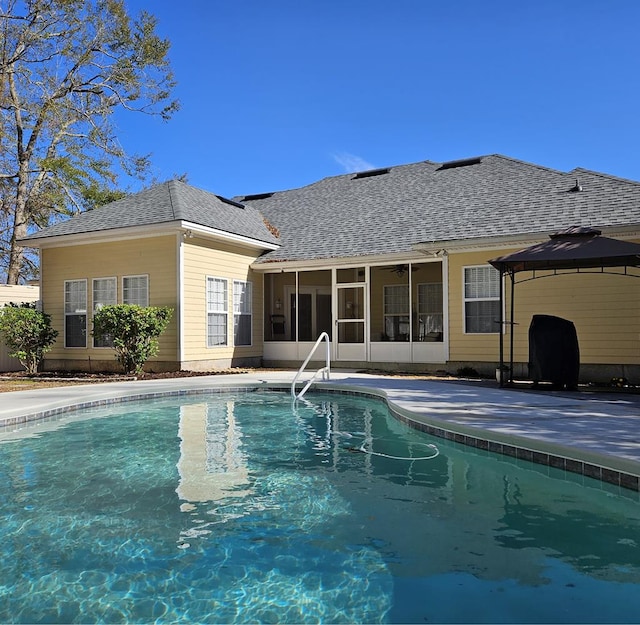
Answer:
(461, 163)
(371, 172)
(256, 196)
(228, 201)
(576, 188)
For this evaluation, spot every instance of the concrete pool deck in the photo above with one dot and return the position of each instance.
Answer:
(595, 434)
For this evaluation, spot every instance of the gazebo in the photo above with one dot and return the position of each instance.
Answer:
(577, 249)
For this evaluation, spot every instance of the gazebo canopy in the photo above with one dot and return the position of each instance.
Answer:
(576, 248)
(573, 248)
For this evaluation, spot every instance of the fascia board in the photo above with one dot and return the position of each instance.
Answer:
(337, 263)
(221, 235)
(103, 236)
(139, 232)
(494, 243)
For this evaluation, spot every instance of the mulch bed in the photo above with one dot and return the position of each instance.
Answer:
(112, 376)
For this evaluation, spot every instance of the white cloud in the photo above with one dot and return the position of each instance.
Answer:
(351, 163)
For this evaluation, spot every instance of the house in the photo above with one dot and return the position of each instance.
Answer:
(392, 263)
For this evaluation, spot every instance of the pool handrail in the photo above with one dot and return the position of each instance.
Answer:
(326, 370)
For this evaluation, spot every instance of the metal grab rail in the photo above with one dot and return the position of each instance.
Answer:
(326, 370)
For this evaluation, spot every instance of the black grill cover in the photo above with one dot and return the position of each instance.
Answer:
(554, 355)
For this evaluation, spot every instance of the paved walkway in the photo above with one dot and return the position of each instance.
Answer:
(600, 428)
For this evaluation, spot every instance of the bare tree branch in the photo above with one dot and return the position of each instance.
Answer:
(66, 67)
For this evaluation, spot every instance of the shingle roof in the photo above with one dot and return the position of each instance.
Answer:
(387, 212)
(167, 202)
(486, 196)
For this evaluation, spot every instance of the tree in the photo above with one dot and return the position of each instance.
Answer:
(66, 66)
(28, 334)
(133, 330)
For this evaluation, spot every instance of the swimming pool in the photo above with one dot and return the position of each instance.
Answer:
(235, 508)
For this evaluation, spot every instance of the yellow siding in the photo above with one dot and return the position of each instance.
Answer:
(202, 259)
(153, 256)
(605, 309)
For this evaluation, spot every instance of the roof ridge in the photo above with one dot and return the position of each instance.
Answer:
(171, 191)
(528, 163)
(604, 175)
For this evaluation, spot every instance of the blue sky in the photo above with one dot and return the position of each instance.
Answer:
(277, 94)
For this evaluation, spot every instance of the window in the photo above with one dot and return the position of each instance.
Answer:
(481, 299)
(430, 311)
(75, 313)
(135, 290)
(217, 311)
(242, 307)
(396, 312)
(104, 294)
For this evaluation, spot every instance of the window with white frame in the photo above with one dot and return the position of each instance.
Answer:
(75, 313)
(217, 312)
(104, 294)
(396, 312)
(135, 290)
(430, 311)
(242, 317)
(481, 300)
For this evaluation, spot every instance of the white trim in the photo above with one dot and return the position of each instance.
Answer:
(103, 236)
(367, 322)
(227, 342)
(445, 307)
(111, 235)
(76, 313)
(344, 350)
(477, 299)
(139, 275)
(327, 264)
(180, 296)
(93, 306)
(227, 236)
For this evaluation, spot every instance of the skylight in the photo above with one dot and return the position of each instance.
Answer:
(461, 163)
(371, 172)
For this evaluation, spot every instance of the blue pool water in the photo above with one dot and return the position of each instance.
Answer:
(233, 508)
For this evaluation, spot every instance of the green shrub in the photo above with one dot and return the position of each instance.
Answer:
(133, 331)
(28, 334)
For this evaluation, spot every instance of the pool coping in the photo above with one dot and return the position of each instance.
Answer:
(607, 468)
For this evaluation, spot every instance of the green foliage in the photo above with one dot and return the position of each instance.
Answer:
(94, 196)
(67, 67)
(28, 334)
(133, 330)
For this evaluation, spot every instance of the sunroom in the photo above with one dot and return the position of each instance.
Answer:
(373, 313)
